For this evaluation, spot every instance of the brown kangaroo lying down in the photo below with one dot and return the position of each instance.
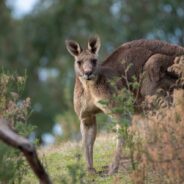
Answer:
(92, 85)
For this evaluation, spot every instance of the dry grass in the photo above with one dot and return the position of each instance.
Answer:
(161, 158)
(159, 136)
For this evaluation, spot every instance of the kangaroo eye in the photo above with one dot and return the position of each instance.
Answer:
(94, 61)
(79, 62)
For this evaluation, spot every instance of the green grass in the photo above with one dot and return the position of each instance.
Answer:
(65, 162)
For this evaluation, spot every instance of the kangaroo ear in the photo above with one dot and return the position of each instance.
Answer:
(94, 44)
(73, 47)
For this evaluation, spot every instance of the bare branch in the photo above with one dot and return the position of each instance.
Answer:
(11, 138)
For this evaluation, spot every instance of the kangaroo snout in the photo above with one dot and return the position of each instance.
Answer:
(88, 75)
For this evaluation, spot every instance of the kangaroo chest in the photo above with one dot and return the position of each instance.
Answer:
(85, 102)
(88, 103)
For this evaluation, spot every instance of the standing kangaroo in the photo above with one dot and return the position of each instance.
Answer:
(92, 81)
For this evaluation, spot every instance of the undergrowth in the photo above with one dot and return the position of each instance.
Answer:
(16, 111)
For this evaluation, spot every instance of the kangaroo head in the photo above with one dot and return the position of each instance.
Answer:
(86, 60)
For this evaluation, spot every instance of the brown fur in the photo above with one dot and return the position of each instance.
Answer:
(92, 80)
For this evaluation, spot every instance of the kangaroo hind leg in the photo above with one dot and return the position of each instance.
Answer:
(88, 131)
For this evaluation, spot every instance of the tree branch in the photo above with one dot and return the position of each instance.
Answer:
(11, 138)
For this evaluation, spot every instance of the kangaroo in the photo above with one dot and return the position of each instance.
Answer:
(92, 81)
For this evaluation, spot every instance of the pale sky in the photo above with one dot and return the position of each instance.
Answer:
(21, 7)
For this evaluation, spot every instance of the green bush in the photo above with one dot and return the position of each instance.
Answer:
(16, 111)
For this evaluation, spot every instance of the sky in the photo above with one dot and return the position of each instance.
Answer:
(21, 7)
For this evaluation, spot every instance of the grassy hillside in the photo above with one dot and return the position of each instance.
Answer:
(65, 163)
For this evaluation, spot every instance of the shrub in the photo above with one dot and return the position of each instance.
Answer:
(161, 159)
(16, 111)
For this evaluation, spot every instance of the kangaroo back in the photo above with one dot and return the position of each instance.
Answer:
(136, 53)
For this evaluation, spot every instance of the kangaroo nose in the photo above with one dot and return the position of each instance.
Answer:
(88, 73)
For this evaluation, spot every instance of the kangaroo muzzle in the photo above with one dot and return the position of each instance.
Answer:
(88, 75)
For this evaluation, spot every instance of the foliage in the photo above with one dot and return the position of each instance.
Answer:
(76, 173)
(16, 110)
(160, 159)
(124, 107)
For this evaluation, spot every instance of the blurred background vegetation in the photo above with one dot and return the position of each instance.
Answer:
(33, 44)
